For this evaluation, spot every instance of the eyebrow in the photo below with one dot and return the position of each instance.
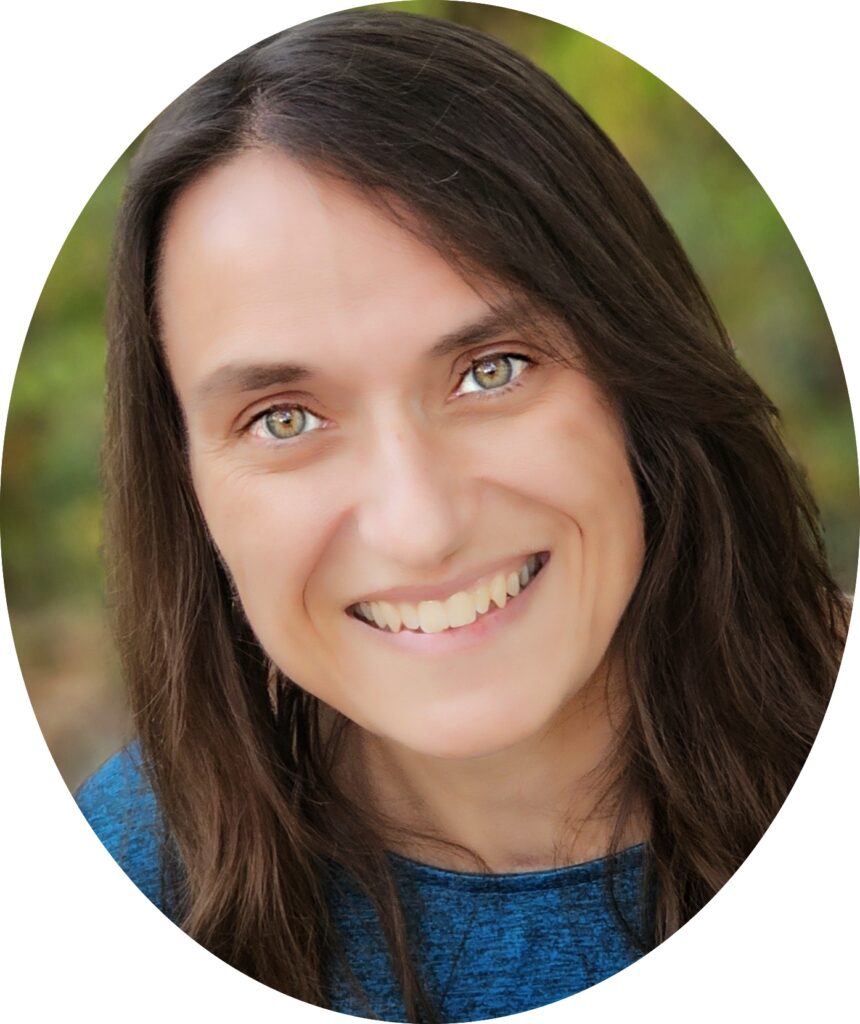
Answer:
(238, 378)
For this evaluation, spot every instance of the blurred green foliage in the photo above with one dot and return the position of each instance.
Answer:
(50, 507)
(50, 504)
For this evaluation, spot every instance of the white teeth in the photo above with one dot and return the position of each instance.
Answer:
(498, 591)
(459, 609)
(409, 614)
(432, 616)
(376, 614)
(391, 616)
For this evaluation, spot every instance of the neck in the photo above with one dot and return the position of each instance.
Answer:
(533, 806)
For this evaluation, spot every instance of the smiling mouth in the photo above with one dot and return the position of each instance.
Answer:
(460, 609)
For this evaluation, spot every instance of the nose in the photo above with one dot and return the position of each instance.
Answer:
(417, 506)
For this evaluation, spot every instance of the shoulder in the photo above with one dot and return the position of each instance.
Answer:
(120, 806)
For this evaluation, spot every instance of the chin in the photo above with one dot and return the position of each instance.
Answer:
(466, 740)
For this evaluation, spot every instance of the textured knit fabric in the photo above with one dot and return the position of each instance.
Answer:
(486, 945)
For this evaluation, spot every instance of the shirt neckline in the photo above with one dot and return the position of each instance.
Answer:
(626, 861)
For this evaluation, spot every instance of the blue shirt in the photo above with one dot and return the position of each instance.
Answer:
(486, 945)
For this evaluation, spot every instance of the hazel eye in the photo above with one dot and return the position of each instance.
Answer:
(493, 373)
(283, 423)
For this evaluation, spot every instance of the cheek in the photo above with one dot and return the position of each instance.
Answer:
(574, 463)
(570, 455)
(269, 528)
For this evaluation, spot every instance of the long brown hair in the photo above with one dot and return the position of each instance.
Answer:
(733, 637)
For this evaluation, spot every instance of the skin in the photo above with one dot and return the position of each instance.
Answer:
(411, 479)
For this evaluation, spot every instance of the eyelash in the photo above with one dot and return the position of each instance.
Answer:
(480, 394)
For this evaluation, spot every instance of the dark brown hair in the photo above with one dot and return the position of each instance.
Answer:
(734, 634)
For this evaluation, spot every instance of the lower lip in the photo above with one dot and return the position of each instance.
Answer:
(461, 637)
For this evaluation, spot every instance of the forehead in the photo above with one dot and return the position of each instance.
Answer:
(262, 253)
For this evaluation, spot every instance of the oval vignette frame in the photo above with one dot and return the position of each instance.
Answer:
(87, 901)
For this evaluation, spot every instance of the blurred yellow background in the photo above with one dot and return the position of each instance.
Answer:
(50, 503)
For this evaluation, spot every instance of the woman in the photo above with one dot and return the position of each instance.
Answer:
(475, 619)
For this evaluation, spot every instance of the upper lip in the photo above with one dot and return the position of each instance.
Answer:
(465, 581)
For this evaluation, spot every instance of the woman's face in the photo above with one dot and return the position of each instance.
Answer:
(362, 430)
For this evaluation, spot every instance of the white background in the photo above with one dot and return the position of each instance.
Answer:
(79, 81)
